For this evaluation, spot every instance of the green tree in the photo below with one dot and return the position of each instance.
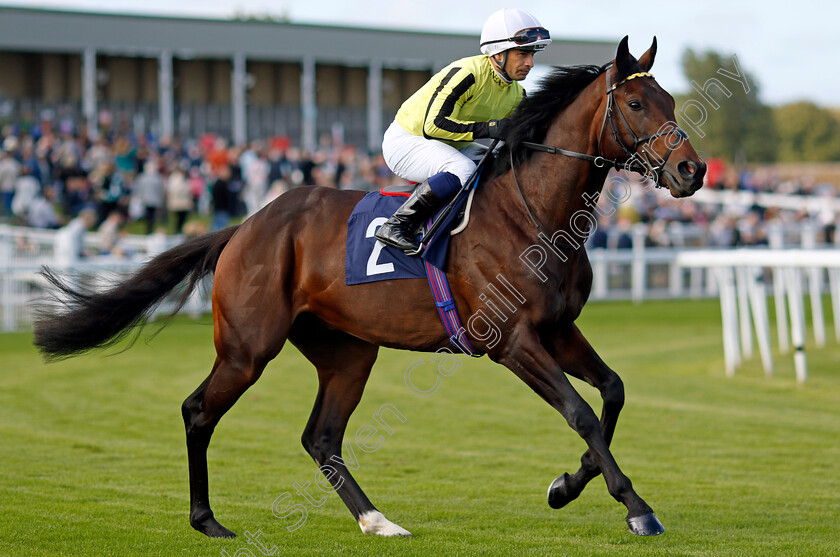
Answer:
(807, 133)
(722, 112)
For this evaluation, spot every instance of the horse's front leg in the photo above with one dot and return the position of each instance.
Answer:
(576, 357)
(531, 362)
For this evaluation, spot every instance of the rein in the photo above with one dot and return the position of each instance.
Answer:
(525, 203)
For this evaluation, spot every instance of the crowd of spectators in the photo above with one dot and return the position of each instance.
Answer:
(49, 178)
(710, 224)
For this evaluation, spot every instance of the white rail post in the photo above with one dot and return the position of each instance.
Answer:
(779, 294)
(834, 286)
(675, 279)
(600, 274)
(696, 282)
(194, 302)
(793, 282)
(815, 293)
(809, 241)
(731, 348)
(742, 293)
(639, 265)
(775, 236)
(758, 302)
(7, 304)
(711, 282)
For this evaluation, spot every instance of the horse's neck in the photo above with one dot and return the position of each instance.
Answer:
(557, 187)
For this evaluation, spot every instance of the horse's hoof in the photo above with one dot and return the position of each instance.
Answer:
(559, 494)
(211, 527)
(374, 522)
(645, 525)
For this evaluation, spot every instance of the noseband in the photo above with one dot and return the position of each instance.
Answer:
(640, 162)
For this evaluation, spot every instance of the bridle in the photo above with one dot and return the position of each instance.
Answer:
(636, 161)
(631, 152)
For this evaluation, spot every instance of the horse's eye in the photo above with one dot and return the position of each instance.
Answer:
(635, 105)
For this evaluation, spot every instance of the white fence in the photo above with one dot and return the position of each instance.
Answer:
(812, 204)
(742, 277)
(644, 272)
(638, 273)
(23, 251)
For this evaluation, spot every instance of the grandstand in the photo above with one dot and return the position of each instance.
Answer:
(239, 79)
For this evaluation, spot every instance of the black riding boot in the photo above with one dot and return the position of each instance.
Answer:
(399, 231)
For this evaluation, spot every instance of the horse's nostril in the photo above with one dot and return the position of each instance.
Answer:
(686, 169)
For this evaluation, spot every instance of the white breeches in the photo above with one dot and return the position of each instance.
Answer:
(416, 158)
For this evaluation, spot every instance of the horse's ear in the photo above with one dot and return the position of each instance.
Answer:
(625, 64)
(646, 60)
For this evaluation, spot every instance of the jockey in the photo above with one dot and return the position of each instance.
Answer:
(469, 99)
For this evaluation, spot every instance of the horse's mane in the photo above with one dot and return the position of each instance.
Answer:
(531, 119)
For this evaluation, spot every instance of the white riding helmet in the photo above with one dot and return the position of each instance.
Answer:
(510, 28)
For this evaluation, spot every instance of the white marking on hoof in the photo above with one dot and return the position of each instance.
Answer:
(374, 522)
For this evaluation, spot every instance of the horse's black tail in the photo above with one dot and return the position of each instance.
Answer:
(85, 320)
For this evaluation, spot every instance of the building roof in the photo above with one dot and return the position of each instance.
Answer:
(41, 30)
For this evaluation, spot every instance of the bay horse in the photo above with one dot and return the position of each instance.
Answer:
(280, 275)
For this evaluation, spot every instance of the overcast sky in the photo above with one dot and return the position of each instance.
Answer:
(791, 47)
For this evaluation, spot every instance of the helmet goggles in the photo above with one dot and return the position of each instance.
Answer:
(525, 36)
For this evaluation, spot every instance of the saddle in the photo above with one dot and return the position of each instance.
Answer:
(369, 260)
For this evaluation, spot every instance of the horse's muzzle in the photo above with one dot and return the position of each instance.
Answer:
(687, 179)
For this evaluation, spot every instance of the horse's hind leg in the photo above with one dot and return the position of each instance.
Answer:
(343, 363)
(202, 411)
(577, 358)
(243, 353)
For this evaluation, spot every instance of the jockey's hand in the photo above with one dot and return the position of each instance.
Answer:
(498, 129)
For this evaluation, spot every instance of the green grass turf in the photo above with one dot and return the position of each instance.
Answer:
(92, 456)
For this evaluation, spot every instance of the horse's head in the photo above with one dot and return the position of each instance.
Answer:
(640, 126)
